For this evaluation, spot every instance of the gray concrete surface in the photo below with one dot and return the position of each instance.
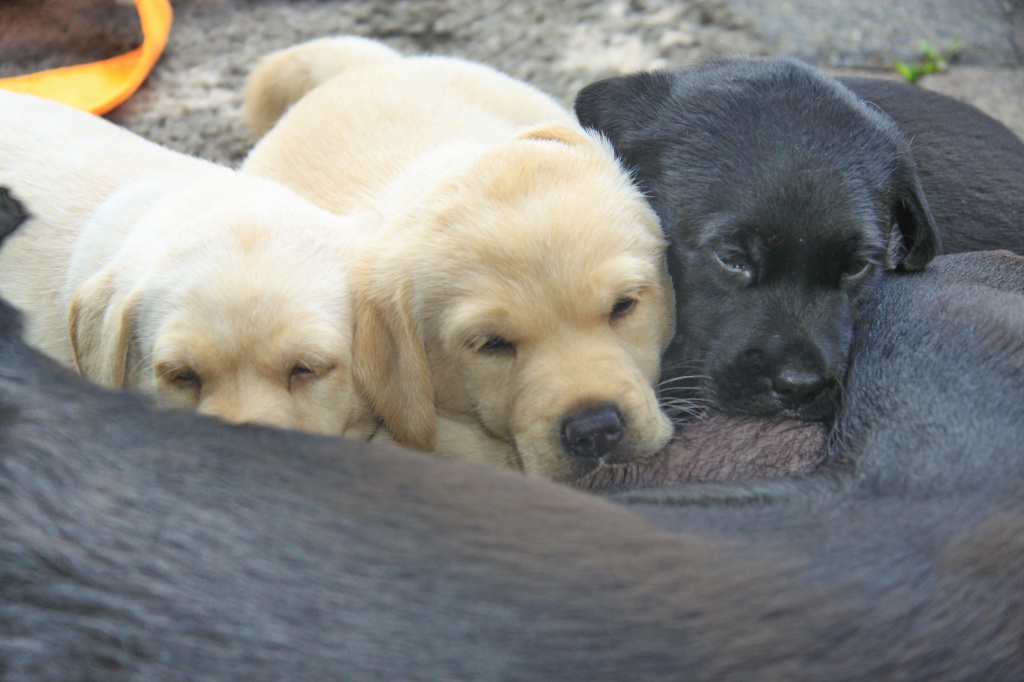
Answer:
(192, 101)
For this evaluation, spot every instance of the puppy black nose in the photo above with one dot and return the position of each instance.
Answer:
(593, 433)
(798, 387)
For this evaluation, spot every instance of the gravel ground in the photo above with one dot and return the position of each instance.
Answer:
(192, 102)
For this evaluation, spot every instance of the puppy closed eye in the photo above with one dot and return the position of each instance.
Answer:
(303, 372)
(622, 308)
(493, 344)
(857, 270)
(183, 378)
(735, 263)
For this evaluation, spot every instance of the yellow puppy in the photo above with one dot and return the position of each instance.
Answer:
(513, 305)
(152, 270)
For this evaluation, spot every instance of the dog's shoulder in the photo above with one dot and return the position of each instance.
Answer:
(1002, 270)
(932, 401)
(971, 165)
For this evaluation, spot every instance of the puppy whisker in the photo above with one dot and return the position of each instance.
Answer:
(686, 402)
(685, 377)
(702, 398)
(679, 407)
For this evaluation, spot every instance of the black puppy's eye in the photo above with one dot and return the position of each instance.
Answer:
(496, 344)
(623, 307)
(735, 261)
(858, 269)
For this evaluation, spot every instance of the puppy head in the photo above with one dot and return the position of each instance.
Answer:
(783, 196)
(526, 295)
(235, 318)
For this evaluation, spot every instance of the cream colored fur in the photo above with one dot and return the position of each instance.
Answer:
(151, 270)
(500, 218)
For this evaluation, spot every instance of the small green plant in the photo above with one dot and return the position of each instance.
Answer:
(932, 60)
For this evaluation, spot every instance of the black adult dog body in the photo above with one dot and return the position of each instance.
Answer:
(145, 546)
(784, 195)
(971, 165)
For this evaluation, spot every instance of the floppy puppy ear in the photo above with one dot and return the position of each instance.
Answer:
(555, 132)
(391, 370)
(101, 325)
(615, 106)
(915, 221)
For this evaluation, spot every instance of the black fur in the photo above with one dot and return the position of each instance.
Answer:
(12, 213)
(137, 545)
(918, 507)
(971, 166)
(784, 196)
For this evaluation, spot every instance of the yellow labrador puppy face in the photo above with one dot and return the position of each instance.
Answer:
(240, 321)
(260, 357)
(533, 289)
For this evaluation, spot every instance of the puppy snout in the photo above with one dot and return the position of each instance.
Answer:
(796, 387)
(594, 432)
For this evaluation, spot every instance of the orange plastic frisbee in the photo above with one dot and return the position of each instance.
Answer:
(101, 86)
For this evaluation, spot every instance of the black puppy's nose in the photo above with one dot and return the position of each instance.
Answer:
(594, 432)
(798, 387)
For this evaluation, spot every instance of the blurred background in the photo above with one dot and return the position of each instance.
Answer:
(192, 101)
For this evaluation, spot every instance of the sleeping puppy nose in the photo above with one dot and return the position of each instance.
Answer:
(796, 387)
(594, 432)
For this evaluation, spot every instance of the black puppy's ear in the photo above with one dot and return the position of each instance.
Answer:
(12, 213)
(914, 219)
(621, 104)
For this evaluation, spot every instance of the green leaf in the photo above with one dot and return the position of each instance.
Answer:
(930, 50)
(909, 73)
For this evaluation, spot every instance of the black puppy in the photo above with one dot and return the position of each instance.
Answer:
(145, 546)
(784, 196)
